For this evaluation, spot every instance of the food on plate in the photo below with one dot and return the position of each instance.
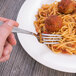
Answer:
(56, 19)
(66, 6)
(53, 23)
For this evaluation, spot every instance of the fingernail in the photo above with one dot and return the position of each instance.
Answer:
(11, 23)
(6, 52)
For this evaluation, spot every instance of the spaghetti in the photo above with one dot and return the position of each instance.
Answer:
(67, 44)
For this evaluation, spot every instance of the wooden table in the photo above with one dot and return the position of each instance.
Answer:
(20, 63)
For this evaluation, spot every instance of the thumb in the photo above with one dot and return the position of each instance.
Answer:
(6, 29)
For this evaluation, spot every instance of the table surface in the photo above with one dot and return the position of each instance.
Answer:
(20, 63)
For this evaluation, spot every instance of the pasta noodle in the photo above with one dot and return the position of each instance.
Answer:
(67, 44)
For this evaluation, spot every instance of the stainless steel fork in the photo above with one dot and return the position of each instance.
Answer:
(46, 38)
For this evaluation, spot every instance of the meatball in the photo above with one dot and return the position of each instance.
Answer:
(53, 23)
(66, 6)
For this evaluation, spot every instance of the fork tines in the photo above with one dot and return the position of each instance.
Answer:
(51, 38)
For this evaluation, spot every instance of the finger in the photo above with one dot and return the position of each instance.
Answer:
(6, 29)
(3, 59)
(5, 20)
(7, 49)
(11, 39)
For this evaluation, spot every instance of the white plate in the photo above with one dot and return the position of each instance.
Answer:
(40, 52)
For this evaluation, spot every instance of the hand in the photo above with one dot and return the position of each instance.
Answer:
(7, 39)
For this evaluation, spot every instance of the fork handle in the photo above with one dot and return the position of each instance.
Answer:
(19, 30)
